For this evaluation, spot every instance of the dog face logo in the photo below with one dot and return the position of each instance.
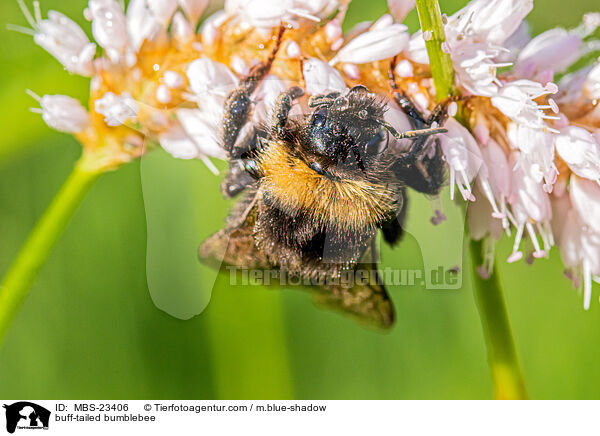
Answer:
(26, 415)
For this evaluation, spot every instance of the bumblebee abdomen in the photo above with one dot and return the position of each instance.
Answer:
(351, 205)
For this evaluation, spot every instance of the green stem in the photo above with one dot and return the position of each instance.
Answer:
(506, 373)
(440, 63)
(15, 286)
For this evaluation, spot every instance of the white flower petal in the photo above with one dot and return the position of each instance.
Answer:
(580, 150)
(475, 67)
(570, 241)
(555, 49)
(266, 97)
(374, 45)
(517, 101)
(141, 24)
(319, 8)
(499, 172)
(64, 113)
(492, 21)
(208, 77)
(321, 77)
(109, 25)
(202, 131)
(592, 83)
(400, 8)
(178, 144)
(260, 13)
(193, 9)
(463, 157)
(480, 218)
(528, 198)
(537, 147)
(210, 25)
(181, 29)
(585, 195)
(163, 10)
(67, 42)
(117, 109)
(417, 50)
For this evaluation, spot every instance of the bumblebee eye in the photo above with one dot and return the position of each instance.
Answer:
(320, 117)
(316, 167)
(378, 144)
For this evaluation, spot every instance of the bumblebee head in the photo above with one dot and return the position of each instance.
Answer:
(345, 130)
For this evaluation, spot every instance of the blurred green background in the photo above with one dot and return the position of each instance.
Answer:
(90, 328)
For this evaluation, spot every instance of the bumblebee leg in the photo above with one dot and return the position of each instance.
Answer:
(392, 230)
(415, 116)
(423, 170)
(238, 178)
(283, 108)
(323, 99)
(439, 115)
(242, 174)
(238, 104)
(410, 109)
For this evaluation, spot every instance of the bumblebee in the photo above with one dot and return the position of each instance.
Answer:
(315, 190)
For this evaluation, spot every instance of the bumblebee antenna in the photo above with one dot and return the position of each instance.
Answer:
(423, 133)
(412, 134)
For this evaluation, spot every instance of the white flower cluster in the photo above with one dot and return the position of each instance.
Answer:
(527, 158)
(538, 166)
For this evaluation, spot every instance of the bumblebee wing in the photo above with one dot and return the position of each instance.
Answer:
(365, 299)
(234, 245)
